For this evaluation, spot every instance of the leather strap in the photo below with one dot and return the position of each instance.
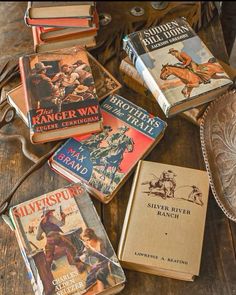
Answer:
(4, 206)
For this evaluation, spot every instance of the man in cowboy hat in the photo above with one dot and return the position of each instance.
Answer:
(196, 196)
(51, 227)
(94, 141)
(67, 79)
(187, 62)
(113, 142)
(41, 85)
(85, 75)
(80, 65)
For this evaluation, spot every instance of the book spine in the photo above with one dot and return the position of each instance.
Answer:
(121, 245)
(146, 76)
(132, 79)
(36, 37)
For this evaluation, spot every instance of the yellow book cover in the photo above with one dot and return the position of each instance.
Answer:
(165, 218)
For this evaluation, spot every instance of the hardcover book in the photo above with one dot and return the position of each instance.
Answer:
(105, 85)
(170, 202)
(64, 245)
(64, 37)
(61, 102)
(60, 14)
(54, 9)
(103, 161)
(176, 66)
(41, 46)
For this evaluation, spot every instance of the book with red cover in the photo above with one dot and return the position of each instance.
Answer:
(86, 38)
(59, 22)
(103, 161)
(61, 103)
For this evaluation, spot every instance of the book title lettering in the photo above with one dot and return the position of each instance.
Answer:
(167, 211)
(132, 115)
(47, 201)
(164, 32)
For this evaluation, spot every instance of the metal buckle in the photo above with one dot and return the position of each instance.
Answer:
(137, 11)
(159, 5)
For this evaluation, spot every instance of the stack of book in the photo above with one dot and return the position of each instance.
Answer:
(57, 25)
(106, 140)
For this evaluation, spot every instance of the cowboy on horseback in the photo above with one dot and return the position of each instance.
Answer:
(187, 62)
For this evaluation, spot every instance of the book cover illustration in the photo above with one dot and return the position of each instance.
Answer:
(187, 68)
(103, 160)
(60, 89)
(172, 200)
(165, 186)
(105, 83)
(64, 244)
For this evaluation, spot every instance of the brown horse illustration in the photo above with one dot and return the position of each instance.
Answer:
(189, 78)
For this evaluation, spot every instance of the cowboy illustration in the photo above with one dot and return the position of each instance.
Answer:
(42, 87)
(195, 196)
(94, 141)
(67, 79)
(51, 227)
(187, 62)
(113, 142)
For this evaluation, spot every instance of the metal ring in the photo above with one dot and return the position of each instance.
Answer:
(10, 115)
(137, 11)
(159, 5)
(104, 19)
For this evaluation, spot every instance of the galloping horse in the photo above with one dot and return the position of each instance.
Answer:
(189, 78)
(112, 156)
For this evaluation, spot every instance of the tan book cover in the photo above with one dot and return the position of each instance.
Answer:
(164, 223)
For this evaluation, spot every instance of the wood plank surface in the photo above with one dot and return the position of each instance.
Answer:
(180, 146)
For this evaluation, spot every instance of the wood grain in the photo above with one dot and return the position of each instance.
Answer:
(180, 146)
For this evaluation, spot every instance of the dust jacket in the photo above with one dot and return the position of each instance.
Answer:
(64, 245)
(60, 94)
(176, 66)
(164, 223)
(104, 160)
(105, 85)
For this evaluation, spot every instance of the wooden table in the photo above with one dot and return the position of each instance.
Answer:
(180, 146)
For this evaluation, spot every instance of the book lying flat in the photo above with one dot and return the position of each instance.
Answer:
(59, 22)
(176, 65)
(103, 161)
(52, 9)
(164, 222)
(64, 245)
(60, 97)
(40, 47)
(66, 33)
(105, 85)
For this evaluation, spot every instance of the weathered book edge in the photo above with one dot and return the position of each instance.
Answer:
(122, 241)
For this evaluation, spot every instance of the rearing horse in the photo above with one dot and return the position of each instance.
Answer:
(190, 79)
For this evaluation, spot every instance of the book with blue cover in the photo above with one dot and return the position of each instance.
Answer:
(104, 160)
